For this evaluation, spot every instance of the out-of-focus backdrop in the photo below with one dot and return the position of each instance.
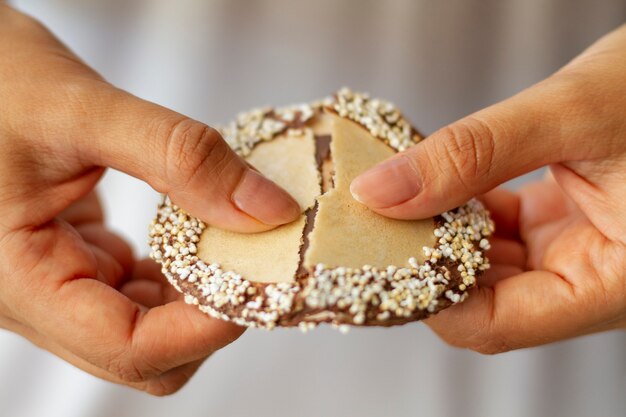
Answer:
(438, 60)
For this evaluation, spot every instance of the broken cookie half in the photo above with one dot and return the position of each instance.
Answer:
(340, 262)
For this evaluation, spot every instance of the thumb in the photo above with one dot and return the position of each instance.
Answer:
(477, 153)
(185, 159)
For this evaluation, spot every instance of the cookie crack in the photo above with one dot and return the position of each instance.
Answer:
(326, 169)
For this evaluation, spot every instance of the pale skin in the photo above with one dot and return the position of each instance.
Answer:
(74, 288)
(67, 283)
(559, 252)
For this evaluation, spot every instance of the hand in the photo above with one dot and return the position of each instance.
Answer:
(66, 282)
(559, 254)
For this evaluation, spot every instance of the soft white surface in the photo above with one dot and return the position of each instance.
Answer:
(437, 61)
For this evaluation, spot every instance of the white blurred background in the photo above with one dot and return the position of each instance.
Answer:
(438, 61)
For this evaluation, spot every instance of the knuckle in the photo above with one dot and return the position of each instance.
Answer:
(571, 102)
(18, 21)
(126, 373)
(578, 82)
(164, 386)
(129, 370)
(159, 390)
(482, 340)
(489, 340)
(118, 365)
(467, 147)
(83, 94)
(192, 150)
(491, 347)
(483, 337)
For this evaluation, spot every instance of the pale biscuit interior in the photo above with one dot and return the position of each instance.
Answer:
(261, 257)
(345, 233)
(289, 161)
(271, 256)
(348, 234)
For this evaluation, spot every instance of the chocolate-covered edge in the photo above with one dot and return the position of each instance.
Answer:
(448, 276)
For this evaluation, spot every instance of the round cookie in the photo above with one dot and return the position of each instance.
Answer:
(340, 262)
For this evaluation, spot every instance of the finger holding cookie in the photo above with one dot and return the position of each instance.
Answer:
(559, 259)
(64, 278)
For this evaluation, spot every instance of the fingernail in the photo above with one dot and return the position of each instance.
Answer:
(264, 200)
(388, 184)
